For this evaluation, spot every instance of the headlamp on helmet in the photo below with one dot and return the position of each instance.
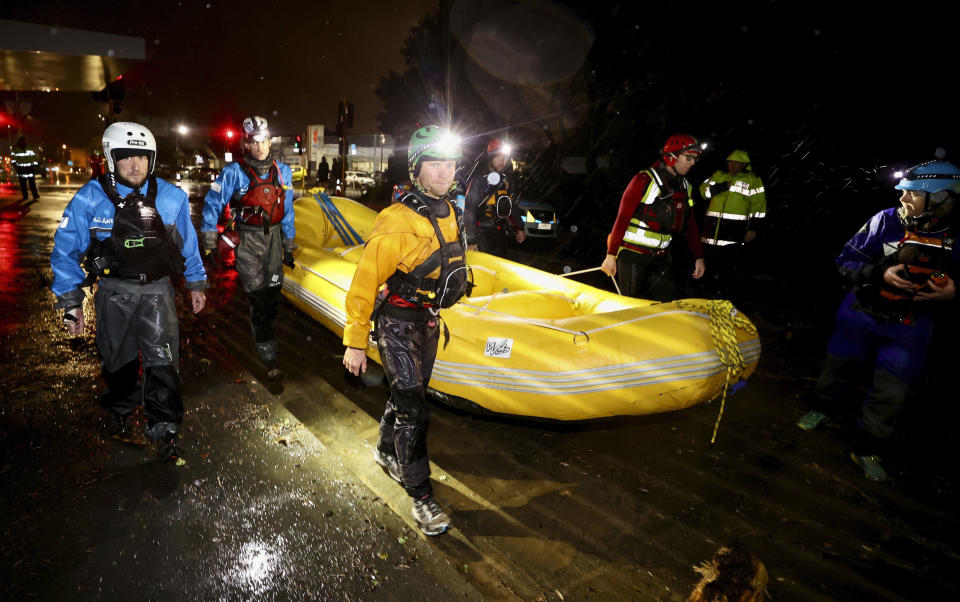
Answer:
(446, 148)
(255, 129)
(931, 176)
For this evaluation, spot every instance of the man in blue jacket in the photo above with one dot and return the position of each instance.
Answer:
(902, 266)
(259, 190)
(133, 233)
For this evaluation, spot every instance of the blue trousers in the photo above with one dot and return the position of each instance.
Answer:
(897, 353)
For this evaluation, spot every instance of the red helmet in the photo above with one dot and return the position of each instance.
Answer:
(677, 145)
(494, 145)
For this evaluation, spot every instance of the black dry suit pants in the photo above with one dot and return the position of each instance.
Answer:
(260, 267)
(646, 276)
(408, 350)
(135, 320)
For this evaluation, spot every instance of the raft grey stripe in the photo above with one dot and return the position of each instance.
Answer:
(747, 349)
(580, 376)
(627, 380)
(329, 311)
(544, 390)
(493, 378)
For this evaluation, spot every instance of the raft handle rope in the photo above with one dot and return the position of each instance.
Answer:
(319, 275)
(724, 319)
(615, 285)
(575, 333)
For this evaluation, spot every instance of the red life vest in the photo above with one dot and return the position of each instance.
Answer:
(925, 258)
(263, 199)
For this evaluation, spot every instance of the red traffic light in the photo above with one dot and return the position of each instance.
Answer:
(229, 133)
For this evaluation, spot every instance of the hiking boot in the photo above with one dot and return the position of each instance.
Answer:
(871, 467)
(811, 420)
(431, 519)
(168, 448)
(121, 429)
(389, 464)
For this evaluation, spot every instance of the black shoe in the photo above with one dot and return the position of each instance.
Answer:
(121, 429)
(168, 448)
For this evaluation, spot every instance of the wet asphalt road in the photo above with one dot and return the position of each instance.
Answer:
(279, 499)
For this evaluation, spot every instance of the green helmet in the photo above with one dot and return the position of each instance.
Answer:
(740, 156)
(431, 142)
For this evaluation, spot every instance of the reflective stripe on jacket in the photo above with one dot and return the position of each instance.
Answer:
(25, 162)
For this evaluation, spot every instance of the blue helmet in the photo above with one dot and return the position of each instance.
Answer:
(931, 176)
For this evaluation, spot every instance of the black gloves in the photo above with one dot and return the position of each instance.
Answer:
(718, 188)
(288, 259)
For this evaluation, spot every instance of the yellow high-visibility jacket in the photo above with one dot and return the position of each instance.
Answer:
(401, 240)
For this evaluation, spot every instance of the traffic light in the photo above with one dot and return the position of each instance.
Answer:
(298, 145)
(345, 113)
(229, 134)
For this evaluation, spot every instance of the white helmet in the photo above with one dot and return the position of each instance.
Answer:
(255, 129)
(126, 139)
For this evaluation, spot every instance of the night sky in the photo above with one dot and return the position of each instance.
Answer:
(210, 63)
(866, 72)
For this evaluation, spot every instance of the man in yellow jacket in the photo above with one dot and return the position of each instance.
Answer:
(417, 250)
(737, 208)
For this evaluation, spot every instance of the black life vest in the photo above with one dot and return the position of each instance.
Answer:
(262, 204)
(139, 246)
(453, 281)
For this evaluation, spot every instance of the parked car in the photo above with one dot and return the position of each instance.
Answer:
(360, 179)
(539, 219)
(298, 172)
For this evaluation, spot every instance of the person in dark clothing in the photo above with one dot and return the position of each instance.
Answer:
(323, 172)
(335, 176)
(902, 267)
(655, 206)
(490, 207)
(134, 252)
(26, 162)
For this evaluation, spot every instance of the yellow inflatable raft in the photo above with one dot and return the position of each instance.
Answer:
(531, 343)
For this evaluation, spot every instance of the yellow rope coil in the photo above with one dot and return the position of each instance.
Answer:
(724, 320)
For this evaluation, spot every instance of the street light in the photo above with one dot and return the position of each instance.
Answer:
(181, 131)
